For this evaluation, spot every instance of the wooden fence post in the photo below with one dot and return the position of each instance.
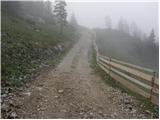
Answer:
(109, 68)
(152, 85)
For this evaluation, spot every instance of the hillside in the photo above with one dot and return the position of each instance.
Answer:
(29, 44)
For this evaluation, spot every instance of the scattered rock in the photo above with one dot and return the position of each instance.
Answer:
(13, 115)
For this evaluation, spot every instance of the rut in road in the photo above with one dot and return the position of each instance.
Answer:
(72, 90)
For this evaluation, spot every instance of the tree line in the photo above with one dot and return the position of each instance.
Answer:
(45, 12)
(129, 43)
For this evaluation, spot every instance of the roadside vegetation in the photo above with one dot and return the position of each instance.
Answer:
(33, 36)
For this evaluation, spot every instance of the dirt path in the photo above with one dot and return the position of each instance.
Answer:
(72, 90)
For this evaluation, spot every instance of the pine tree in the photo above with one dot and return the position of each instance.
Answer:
(123, 26)
(152, 36)
(73, 20)
(48, 12)
(61, 13)
(11, 7)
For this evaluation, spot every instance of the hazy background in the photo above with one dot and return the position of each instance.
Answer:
(92, 14)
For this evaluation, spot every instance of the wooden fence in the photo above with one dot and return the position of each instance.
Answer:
(138, 79)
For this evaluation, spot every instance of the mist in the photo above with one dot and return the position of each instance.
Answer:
(92, 14)
(83, 60)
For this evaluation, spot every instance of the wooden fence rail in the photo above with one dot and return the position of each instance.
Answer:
(138, 79)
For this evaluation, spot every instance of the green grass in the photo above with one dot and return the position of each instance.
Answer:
(142, 100)
(26, 47)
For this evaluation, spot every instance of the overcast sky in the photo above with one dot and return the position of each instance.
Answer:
(92, 14)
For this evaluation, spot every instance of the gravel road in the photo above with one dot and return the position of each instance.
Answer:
(73, 90)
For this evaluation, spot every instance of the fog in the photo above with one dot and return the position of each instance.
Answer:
(92, 14)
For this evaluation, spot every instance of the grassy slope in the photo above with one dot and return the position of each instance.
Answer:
(27, 47)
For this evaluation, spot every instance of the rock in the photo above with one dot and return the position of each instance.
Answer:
(39, 88)
(126, 101)
(133, 111)
(4, 107)
(85, 116)
(147, 111)
(91, 114)
(36, 43)
(11, 103)
(115, 114)
(60, 91)
(10, 90)
(127, 110)
(60, 47)
(4, 96)
(141, 115)
(37, 30)
(112, 116)
(81, 113)
(90, 107)
(100, 112)
(130, 107)
(82, 109)
(64, 110)
(13, 115)
(55, 47)
(56, 96)
(4, 34)
(142, 105)
(27, 93)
